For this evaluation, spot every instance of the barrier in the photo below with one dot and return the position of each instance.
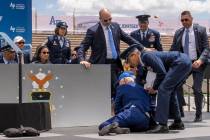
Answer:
(77, 97)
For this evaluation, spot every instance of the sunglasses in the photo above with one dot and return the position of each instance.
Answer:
(106, 20)
(21, 42)
(45, 52)
(182, 20)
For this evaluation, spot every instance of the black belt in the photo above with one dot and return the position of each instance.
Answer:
(111, 61)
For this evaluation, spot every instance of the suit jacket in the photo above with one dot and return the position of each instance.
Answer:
(95, 39)
(152, 39)
(131, 94)
(201, 42)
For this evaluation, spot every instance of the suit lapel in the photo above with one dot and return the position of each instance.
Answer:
(179, 38)
(139, 34)
(196, 36)
(101, 35)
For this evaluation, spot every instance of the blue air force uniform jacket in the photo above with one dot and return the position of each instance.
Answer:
(152, 39)
(59, 54)
(132, 105)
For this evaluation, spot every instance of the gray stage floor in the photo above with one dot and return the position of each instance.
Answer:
(193, 131)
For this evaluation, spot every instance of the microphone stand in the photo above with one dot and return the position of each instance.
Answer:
(20, 75)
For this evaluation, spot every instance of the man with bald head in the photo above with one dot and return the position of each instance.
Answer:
(104, 39)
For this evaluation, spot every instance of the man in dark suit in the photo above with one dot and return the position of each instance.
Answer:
(171, 69)
(192, 39)
(104, 40)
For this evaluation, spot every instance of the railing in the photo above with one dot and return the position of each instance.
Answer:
(189, 87)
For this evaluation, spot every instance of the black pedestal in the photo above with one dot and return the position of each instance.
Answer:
(36, 115)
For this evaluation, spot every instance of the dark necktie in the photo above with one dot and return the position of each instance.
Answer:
(186, 42)
(111, 43)
(143, 35)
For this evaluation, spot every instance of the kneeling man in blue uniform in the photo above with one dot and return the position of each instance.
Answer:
(172, 69)
(132, 107)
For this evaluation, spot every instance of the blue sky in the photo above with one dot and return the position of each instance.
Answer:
(163, 8)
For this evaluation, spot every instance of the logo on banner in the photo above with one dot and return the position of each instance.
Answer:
(12, 5)
(12, 29)
(18, 6)
(54, 21)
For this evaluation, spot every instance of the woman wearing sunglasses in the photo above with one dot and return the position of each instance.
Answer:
(42, 56)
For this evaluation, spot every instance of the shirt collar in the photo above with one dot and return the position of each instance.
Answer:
(190, 29)
(5, 61)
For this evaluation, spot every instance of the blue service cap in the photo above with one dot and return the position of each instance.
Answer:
(126, 74)
(130, 49)
(143, 18)
(7, 48)
(62, 24)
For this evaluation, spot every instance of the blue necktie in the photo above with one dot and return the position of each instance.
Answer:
(111, 43)
(186, 42)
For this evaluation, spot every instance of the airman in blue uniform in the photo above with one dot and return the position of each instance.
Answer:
(148, 37)
(59, 45)
(172, 69)
(132, 107)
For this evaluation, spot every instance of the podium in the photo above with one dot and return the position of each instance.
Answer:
(207, 76)
(36, 115)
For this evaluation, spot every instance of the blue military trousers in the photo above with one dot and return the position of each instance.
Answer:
(132, 118)
(175, 76)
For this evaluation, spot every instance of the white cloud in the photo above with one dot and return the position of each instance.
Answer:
(49, 6)
(134, 7)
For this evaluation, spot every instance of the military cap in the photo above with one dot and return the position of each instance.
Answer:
(62, 24)
(126, 74)
(143, 18)
(128, 51)
(7, 48)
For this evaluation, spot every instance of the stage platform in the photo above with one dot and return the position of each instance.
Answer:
(193, 131)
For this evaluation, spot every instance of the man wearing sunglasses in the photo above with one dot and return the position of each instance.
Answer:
(8, 55)
(104, 39)
(192, 40)
(20, 42)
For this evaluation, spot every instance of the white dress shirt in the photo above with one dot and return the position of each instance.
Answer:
(192, 45)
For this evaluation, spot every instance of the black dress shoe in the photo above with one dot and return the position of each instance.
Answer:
(159, 129)
(177, 126)
(198, 119)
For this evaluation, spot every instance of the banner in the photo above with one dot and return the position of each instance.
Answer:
(48, 23)
(80, 24)
(16, 18)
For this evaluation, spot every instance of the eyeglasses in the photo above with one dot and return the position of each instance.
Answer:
(185, 19)
(106, 20)
(73, 55)
(21, 42)
(45, 52)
